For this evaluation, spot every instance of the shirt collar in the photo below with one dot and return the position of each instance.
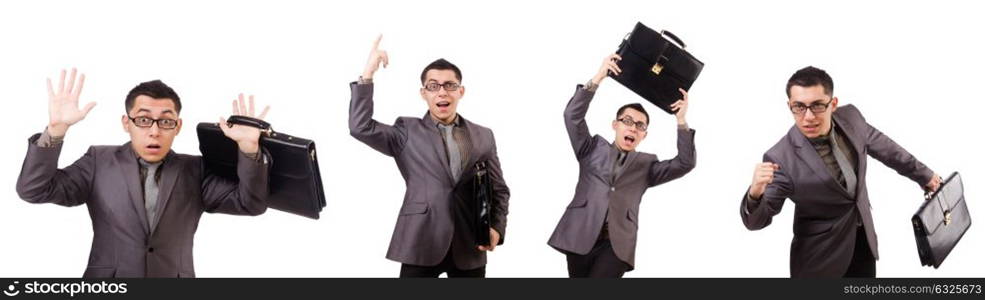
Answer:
(430, 119)
(824, 139)
(146, 164)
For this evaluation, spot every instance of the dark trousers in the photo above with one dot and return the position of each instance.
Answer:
(863, 263)
(447, 265)
(601, 262)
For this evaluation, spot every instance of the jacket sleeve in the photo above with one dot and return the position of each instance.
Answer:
(41, 181)
(885, 150)
(667, 170)
(758, 213)
(501, 195)
(574, 122)
(384, 138)
(247, 196)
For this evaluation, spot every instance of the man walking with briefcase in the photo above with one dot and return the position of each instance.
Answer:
(820, 165)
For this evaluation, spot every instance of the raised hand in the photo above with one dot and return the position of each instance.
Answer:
(63, 104)
(680, 107)
(762, 176)
(247, 137)
(608, 65)
(376, 57)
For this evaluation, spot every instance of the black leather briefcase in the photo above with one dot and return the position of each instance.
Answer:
(295, 182)
(941, 222)
(654, 67)
(482, 189)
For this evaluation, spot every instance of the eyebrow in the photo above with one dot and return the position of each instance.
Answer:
(436, 81)
(811, 103)
(166, 111)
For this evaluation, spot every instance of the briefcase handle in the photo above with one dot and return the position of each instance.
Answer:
(945, 209)
(674, 38)
(264, 127)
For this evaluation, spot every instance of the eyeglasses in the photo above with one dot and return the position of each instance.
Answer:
(817, 107)
(449, 86)
(629, 122)
(146, 122)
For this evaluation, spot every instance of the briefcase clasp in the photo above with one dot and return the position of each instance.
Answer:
(659, 65)
(947, 218)
(657, 68)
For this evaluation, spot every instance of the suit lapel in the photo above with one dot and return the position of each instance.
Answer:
(851, 134)
(168, 179)
(477, 149)
(126, 159)
(809, 155)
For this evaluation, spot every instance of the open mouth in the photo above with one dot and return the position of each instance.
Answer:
(154, 147)
(812, 127)
(629, 139)
(443, 104)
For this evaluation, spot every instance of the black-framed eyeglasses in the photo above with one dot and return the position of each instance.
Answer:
(816, 107)
(449, 86)
(146, 122)
(628, 121)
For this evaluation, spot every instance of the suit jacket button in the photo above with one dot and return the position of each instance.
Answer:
(612, 189)
(151, 249)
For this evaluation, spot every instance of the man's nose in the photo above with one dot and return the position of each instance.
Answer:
(155, 130)
(809, 115)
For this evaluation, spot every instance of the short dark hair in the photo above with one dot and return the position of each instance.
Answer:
(635, 106)
(811, 76)
(441, 64)
(155, 89)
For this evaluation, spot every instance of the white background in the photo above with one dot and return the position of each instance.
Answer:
(913, 68)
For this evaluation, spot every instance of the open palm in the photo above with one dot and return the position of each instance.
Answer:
(63, 103)
(247, 137)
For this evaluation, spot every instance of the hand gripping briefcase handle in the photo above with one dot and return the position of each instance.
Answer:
(945, 208)
(264, 127)
(294, 177)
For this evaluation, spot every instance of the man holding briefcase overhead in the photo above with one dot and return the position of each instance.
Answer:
(821, 165)
(436, 155)
(597, 232)
(145, 200)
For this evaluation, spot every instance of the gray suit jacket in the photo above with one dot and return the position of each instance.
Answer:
(597, 194)
(430, 218)
(107, 180)
(825, 215)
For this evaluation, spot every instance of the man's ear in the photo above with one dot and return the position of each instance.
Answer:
(177, 130)
(615, 125)
(423, 95)
(834, 104)
(125, 122)
(461, 90)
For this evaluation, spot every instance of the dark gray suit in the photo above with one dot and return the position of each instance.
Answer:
(826, 217)
(600, 192)
(107, 180)
(430, 217)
